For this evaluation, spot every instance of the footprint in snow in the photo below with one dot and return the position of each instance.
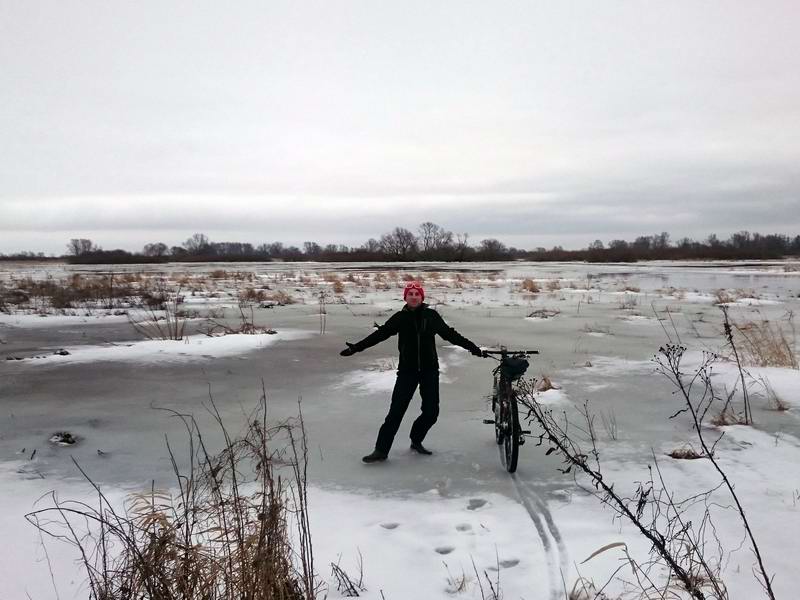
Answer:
(444, 549)
(476, 503)
(390, 525)
(464, 527)
(505, 564)
(508, 563)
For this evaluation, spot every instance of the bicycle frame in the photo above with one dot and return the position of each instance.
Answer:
(508, 432)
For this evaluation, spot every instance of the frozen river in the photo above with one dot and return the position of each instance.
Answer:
(597, 328)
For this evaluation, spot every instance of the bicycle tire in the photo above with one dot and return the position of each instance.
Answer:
(497, 413)
(511, 439)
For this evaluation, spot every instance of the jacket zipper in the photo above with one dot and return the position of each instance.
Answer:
(419, 361)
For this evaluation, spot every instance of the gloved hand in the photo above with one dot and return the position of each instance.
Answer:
(349, 351)
(475, 351)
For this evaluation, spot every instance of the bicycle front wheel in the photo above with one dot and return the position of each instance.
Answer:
(511, 438)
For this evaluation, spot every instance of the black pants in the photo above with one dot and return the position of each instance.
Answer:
(404, 388)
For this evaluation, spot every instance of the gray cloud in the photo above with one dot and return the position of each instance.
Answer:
(563, 122)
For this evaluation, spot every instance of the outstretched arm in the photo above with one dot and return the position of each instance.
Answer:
(382, 333)
(451, 335)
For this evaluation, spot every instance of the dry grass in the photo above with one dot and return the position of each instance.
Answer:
(596, 328)
(685, 452)
(729, 296)
(77, 291)
(544, 384)
(154, 326)
(280, 298)
(723, 297)
(628, 302)
(553, 285)
(530, 286)
(246, 325)
(728, 417)
(251, 294)
(214, 537)
(5, 299)
(774, 401)
(765, 343)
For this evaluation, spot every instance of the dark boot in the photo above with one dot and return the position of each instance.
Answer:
(418, 447)
(376, 456)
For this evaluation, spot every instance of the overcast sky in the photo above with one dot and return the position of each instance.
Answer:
(538, 123)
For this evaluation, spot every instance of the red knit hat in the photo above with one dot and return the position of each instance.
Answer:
(413, 285)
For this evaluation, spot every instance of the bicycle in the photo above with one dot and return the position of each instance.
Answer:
(507, 430)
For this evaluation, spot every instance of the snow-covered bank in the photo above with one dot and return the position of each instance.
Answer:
(196, 347)
(34, 320)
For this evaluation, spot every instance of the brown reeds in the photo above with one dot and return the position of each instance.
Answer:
(234, 527)
(765, 343)
(155, 326)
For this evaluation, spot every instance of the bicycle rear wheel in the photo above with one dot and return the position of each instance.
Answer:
(497, 411)
(512, 433)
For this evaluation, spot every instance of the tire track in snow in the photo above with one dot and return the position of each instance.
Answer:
(556, 553)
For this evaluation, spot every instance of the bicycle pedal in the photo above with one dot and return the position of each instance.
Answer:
(488, 421)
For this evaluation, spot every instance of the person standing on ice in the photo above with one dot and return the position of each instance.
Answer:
(416, 327)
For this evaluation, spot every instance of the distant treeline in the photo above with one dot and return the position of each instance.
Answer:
(434, 243)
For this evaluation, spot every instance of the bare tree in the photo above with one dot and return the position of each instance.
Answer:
(462, 245)
(372, 246)
(400, 243)
(493, 249)
(81, 246)
(158, 249)
(312, 250)
(433, 237)
(197, 244)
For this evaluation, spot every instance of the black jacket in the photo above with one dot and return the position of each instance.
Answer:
(416, 331)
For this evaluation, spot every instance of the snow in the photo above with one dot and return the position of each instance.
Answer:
(191, 348)
(30, 320)
(381, 376)
(763, 470)
(369, 381)
(553, 396)
(412, 546)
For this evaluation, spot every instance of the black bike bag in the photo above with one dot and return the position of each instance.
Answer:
(514, 368)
